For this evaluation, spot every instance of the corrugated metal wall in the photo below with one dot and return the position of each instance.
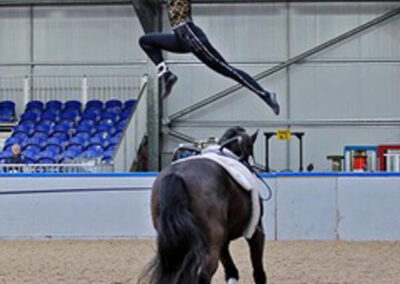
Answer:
(347, 81)
(70, 42)
(358, 78)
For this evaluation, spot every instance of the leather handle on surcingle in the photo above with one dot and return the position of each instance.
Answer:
(230, 141)
(184, 148)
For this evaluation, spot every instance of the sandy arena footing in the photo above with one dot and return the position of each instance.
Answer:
(121, 261)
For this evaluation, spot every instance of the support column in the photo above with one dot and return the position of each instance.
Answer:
(149, 14)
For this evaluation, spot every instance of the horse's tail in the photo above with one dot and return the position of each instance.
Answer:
(182, 248)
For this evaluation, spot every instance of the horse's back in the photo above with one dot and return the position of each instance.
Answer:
(215, 198)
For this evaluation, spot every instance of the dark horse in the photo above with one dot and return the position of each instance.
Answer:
(197, 210)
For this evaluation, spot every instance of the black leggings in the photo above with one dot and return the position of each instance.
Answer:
(189, 38)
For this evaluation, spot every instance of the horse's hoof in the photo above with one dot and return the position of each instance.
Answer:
(233, 281)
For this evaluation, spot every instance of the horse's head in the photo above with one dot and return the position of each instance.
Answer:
(239, 142)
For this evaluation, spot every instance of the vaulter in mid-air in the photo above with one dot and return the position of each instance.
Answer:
(189, 38)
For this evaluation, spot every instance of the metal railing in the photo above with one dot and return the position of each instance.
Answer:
(86, 167)
(21, 90)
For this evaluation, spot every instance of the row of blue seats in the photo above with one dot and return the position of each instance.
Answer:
(50, 157)
(47, 110)
(72, 112)
(55, 132)
(40, 143)
(68, 127)
(74, 104)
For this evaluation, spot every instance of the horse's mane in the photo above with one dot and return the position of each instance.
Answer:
(244, 148)
(232, 132)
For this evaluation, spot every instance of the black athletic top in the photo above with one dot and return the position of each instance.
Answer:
(16, 159)
(179, 11)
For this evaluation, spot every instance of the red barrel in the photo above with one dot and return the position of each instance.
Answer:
(360, 163)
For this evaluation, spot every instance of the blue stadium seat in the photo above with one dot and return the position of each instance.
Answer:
(105, 135)
(66, 123)
(105, 128)
(110, 115)
(62, 135)
(77, 140)
(96, 140)
(50, 115)
(91, 115)
(35, 149)
(55, 141)
(97, 111)
(60, 128)
(37, 111)
(112, 147)
(30, 156)
(29, 116)
(57, 149)
(42, 136)
(95, 104)
(122, 122)
(108, 155)
(95, 147)
(129, 104)
(84, 135)
(35, 140)
(24, 128)
(7, 105)
(46, 122)
(115, 109)
(126, 114)
(115, 139)
(85, 128)
(46, 157)
(73, 104)
(35, 105)
(7, 115)
(70, 114)
(113, 104)
(121, 125)
(7, 111)
(74, 147)
(21, 136)
(71, 154)
(87, 122)
(42, 128)
(54, 105)
(107, 121)
(28, 123)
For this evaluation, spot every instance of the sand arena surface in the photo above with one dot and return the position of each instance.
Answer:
(117, 262)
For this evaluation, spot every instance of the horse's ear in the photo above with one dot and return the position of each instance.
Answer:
(254, 137)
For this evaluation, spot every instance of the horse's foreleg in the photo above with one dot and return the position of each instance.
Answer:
(256, 244)
(231, 272)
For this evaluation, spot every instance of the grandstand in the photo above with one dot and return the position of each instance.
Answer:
(56, 132)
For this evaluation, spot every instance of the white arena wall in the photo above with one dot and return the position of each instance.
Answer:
(327, 206)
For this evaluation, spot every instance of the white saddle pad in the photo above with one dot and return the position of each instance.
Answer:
(243, 176)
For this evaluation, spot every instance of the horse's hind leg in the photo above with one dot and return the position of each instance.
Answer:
(256, 244)
(231, 272)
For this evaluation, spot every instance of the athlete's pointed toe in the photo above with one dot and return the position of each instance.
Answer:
(272, 100)
(274, 104)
